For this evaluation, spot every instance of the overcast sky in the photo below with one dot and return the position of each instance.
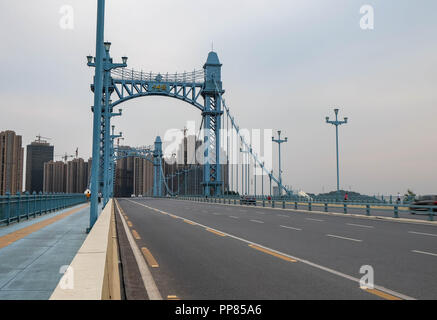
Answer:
(286, 65)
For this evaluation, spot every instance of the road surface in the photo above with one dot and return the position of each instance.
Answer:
(211, 251)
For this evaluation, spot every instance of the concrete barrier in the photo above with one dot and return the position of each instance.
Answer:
(94, 271)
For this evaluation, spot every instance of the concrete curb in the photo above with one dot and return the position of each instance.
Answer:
(92, 275)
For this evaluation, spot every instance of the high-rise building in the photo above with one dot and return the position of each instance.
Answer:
(55, 176)
(124, 177)
(77, 176)
(183, 173)
(11, 163)
(38, 153)
(133, 175)
(70, 177)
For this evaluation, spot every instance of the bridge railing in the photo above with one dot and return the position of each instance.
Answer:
(15, 208)
(346, 207)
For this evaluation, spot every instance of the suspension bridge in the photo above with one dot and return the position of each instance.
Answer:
(201, 89)
(198, 238)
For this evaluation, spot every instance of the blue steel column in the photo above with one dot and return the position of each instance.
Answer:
(212, 113)
(279, 142)
(106, 134)
(206, 141)
(113, 159)
(98, 86)
(157, 165)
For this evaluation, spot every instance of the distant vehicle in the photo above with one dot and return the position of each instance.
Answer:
(248, 200)
(140, 196)
(428, 200)
(133, 196)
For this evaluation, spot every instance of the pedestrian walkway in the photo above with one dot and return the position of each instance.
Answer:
(33, 253)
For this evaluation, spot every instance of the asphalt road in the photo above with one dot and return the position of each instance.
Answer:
(261, 253)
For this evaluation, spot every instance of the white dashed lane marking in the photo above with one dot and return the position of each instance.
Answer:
(297, 229)
(257, 221)
(344, 238)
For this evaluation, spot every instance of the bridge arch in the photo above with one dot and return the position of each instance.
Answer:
(202, 89)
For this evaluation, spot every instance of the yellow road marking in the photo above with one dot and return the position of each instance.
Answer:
(149, 258)
(173, 216)
(136, 235)
(20, 234)
(189, 222)
(277, 255)
(129, 224)
(173, 298)
(216, 232)
(381, 294)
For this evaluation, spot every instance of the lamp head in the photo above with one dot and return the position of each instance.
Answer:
(107, 46)
(89, 59)
(327, 119)
(124, 60)
(336, 111)
(345, 119)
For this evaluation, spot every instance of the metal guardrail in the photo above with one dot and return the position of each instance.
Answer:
(395, 208)
(14, 208)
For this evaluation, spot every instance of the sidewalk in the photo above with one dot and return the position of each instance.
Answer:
(30, 266)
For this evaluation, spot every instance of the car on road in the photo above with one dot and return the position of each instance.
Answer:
(428, 200)
(248, 200)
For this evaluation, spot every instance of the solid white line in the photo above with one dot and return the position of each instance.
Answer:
(146, 275)
(257, 221)
(234, 217)
(291, 228)
(423, 234)
(283, 215)
(360, 225)
(427, 253)
(217, 214)
(312, 264)
(314, 219)
(334, 236)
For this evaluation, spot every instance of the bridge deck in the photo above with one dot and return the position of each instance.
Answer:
(211, 251)
(33, 252)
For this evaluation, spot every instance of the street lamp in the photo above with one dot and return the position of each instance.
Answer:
(107, 46)
(337, 123)
(279, 142)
